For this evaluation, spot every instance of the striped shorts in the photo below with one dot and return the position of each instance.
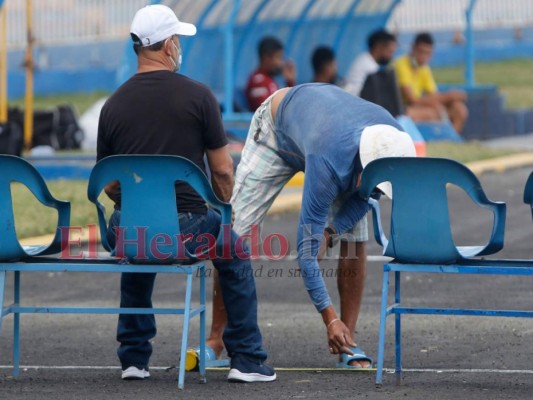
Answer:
(262, 174)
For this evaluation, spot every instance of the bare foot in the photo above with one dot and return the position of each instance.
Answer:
(216, 345)
(359, 363)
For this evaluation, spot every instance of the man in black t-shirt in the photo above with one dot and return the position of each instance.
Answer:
(160, 112)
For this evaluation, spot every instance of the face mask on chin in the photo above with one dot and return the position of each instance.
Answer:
(177, 62)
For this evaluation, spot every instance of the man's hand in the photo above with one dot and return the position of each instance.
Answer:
(289, 72)
(339, 338)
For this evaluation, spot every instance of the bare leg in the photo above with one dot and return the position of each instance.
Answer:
(351, 282)
(423, 113)
(254, 192)
(219, 320)
(458, 113)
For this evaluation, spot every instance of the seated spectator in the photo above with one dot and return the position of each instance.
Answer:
(325, 66)
(261, 84)
(419, 90)
(381, 48)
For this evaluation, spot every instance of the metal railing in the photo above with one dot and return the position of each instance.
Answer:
(435, 15)
(71, 21)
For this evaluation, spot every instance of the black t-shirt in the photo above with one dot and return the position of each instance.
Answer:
(162, 112)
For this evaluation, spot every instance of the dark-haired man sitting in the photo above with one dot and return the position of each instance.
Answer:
(262, 84)
(381, 48)
(324, 63)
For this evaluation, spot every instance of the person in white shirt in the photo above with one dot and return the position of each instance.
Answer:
(381, 48)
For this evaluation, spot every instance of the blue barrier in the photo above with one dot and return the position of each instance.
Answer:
(58, 166)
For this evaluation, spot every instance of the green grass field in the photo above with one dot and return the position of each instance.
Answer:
(34, 219)
(513, 78)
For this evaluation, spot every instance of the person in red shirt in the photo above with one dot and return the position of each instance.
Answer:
(261, 84)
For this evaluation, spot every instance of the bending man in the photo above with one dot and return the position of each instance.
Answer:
(330, 135)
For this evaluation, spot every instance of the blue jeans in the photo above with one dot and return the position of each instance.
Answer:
(242, 334)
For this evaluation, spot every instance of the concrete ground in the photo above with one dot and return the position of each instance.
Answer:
(518, 142)
(445, 357)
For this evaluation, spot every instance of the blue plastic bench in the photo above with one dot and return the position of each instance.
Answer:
(148, 201)
(421, 240)
(528, 193)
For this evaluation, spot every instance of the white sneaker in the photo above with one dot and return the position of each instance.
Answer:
(134, 373)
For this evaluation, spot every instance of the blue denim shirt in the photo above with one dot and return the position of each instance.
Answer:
(318, 129)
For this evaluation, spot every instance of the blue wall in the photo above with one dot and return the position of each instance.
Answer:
(67, 69)
(95, 66)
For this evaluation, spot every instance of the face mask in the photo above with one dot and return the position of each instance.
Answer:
(383, 61)
(276, 71)
(414, 62)
(178, 61)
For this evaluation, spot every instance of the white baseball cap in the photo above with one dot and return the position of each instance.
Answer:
(380, 141)
(157, 22)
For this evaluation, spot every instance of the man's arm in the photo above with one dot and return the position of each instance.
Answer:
(289, 73)
(103, 150)
(319, 193)
(221, 166)
(217, 150)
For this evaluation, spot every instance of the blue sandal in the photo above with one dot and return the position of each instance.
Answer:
(358, 355)
(192, 359)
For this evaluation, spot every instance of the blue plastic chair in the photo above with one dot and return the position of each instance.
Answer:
(419, 189)
(421, 238)
(15, 169)
(438, 130)
(528, 193)
(148, 201)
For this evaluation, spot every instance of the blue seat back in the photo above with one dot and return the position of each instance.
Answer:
(528, 192)
(420, 230)
(148, 203)
(15, 169)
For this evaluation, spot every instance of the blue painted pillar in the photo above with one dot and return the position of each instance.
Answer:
(469, 62)
(229, 77)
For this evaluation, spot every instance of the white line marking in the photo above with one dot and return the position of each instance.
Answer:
(466, 371)
(387, 370)
(378, 258)
(293, 257)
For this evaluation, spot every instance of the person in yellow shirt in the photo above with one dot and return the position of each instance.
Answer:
(419, 90)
